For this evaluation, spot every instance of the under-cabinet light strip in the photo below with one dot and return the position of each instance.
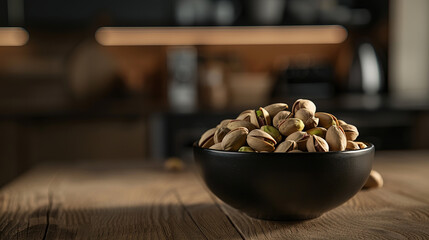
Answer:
(141, 36)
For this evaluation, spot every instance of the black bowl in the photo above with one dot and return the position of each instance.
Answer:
(284, 186)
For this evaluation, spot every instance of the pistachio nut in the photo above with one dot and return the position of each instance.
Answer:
(263, 129)
(326, 120)
(224, 123)
(341, 122)
(216, 146)
(275, 108)
(235, 139)
(220, 134)
(282, 115)
(240, 123)
(260, 118)
(351, 132)
(317, 144)
(319, 131)
(296, 151)
(303, 103)
(307, 118)
(174, 164)
(273, 132)
(207, 139)
(361, 145)
(261, 141)
(300, 138)
(246, 149)
(352, 145)
(286, 146)
(374, 180)
(245, 115)
(336, 138)
(290, 125)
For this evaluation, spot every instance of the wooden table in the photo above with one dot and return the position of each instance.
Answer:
(137, 201)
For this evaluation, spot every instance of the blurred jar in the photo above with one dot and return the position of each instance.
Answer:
(249, 89)
(214, 92)
(267, 12)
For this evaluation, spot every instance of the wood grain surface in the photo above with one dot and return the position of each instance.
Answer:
(139, 201)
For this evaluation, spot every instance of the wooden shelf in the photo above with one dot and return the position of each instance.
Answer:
(139, 36)
(13, 36)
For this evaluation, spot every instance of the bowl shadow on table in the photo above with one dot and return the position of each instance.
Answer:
(160, 221)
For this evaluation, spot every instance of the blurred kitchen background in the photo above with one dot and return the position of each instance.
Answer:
(114, 80)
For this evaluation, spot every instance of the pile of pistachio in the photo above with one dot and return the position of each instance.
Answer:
(275, 129)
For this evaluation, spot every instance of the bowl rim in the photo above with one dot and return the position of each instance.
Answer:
(363, 150)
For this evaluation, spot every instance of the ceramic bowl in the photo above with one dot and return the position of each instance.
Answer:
(284, 186)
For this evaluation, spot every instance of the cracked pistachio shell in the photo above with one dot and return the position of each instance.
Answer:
(326, 120)
(262, 119)
(317, 144)
(351, 132)
(224, 123)
(261, 141)
(282, 115)
(352, 145)
(275, 108)
(235, 139)
(336, 138)
(319, 131)
(307, 118)
(290, 125)
(296, 151)
(375, 180)
(273, 132)
(246, 149)
(220, 134)
(341, 122)
(216, 146)
(207, 139)
(240, 123)
(300, 138)
(287, 146)
(303, 103)
(361, 145)
(245, 115)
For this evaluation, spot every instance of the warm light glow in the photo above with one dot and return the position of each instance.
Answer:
(132, 36)
(13, 36)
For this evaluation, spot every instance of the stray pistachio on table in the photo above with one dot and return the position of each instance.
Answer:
(274, 128)
(375, 180)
